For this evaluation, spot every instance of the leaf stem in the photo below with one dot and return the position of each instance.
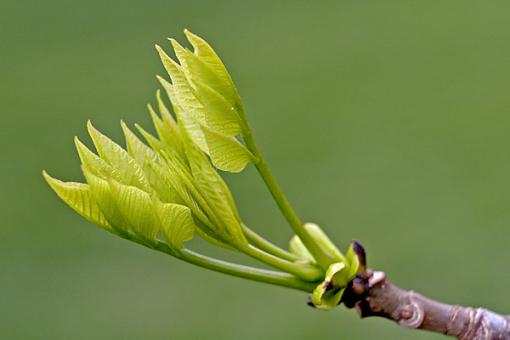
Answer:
(323, 257)
(263, 244)
(238, 270)
(302, 269)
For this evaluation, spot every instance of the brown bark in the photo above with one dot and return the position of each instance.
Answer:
(371, 294)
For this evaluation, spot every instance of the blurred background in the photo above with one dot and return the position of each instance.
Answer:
(385, 121)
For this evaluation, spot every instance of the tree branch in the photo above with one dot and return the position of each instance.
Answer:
(371, 294)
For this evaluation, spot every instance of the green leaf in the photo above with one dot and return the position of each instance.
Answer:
(125, 167)
(174, 172)
(189, 111)
(170, 91)
(213, 189)
(183, 92)
(79, 198)
(93, 162)
(154, 143)
(297, 248)
(194, 129)
(205, 53)
(167, 131)
(100, 190)
(144, 156)
(197, 71)
(323, 240)
(177, 223)
(226, 152)
(220, 115)
(327, 295)
(175, 178)
(136, 207)
(166, 116)
(135, 147)
(353, 262)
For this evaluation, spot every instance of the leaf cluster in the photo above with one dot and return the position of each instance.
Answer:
(162, 190)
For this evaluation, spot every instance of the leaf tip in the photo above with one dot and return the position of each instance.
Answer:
(91, 129)
(52, 182)
(123, 125)
(46, 176)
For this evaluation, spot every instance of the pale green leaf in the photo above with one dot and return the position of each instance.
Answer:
(154, 143)
(100, 190)
(125, 167)
(166, 116)
(216, 194)
(297, 248)
(324, 242)
(327, 295)
(352, 261)
(135, 147)
(205, 53)
(177, 223)
(183, 92)
(93, 162)
(194, 129)
(176, 174)
(220, 115)
(226, 152)
(160, 147)
(136, 207)
(196, 70)
(175, 178)
(78, 197)
(210, 223)
(144, 156)
(167, 131)
(170, 91)
(189, 111)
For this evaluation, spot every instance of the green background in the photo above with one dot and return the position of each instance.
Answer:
(385, 121)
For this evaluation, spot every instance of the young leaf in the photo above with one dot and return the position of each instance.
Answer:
(144, 156)
(220, 115)
(297, 248)
(100, 190)
(167, 131)
(176, 222)
(166, 116)
(78, 197)
(323, 240)
(189, 111)
(135, 147)
(196, 70)
(136, 207)
(327, 295)
(205, 53)
(353, 262)
(170, 91)
(184, 95)
(154, 143)
(175, 178)
(215, 192)
(226, 152)
(194, 129)
(93, 162)
(125, 168)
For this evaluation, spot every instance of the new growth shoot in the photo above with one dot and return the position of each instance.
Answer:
(165, 190)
